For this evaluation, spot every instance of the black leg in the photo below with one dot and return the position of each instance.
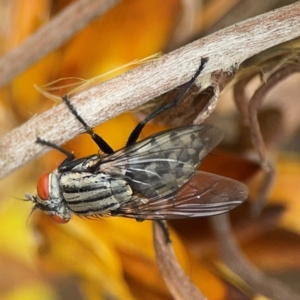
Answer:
(70, 156)
(137, 130)
(97, 139)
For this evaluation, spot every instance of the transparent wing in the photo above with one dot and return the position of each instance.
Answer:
(162, 163)
(204, 195)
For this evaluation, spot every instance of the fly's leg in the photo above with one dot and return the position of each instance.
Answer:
(69, 163)
(70, 156)
(137, 130)
(97, 139)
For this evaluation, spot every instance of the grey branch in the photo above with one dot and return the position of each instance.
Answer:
(226, 50)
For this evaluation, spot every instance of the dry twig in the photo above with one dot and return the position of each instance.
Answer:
(238, 263)
(177, 281)
(225, 49)
(257, 139)
(51, 36)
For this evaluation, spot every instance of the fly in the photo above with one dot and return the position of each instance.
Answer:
(153, 179)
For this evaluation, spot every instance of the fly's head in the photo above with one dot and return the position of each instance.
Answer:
(49, 198)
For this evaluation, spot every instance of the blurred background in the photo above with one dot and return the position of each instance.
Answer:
(113, 258)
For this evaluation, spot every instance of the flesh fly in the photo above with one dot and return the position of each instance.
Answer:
(154, 179)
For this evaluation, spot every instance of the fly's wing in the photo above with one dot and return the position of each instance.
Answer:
(204, 195)
(159, 165)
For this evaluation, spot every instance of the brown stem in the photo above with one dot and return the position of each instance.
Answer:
(256, 136)
(238, 263)
(176, 280)
(240, 98)
(51, 36)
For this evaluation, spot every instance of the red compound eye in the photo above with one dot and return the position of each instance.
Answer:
(42, 187)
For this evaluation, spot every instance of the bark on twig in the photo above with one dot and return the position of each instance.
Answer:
(51, 36)
(225, 49)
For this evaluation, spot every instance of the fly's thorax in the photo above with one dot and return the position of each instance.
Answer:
(89, 193)
(112, 167)
(84, 164)
(90, 162)
(55, 191)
